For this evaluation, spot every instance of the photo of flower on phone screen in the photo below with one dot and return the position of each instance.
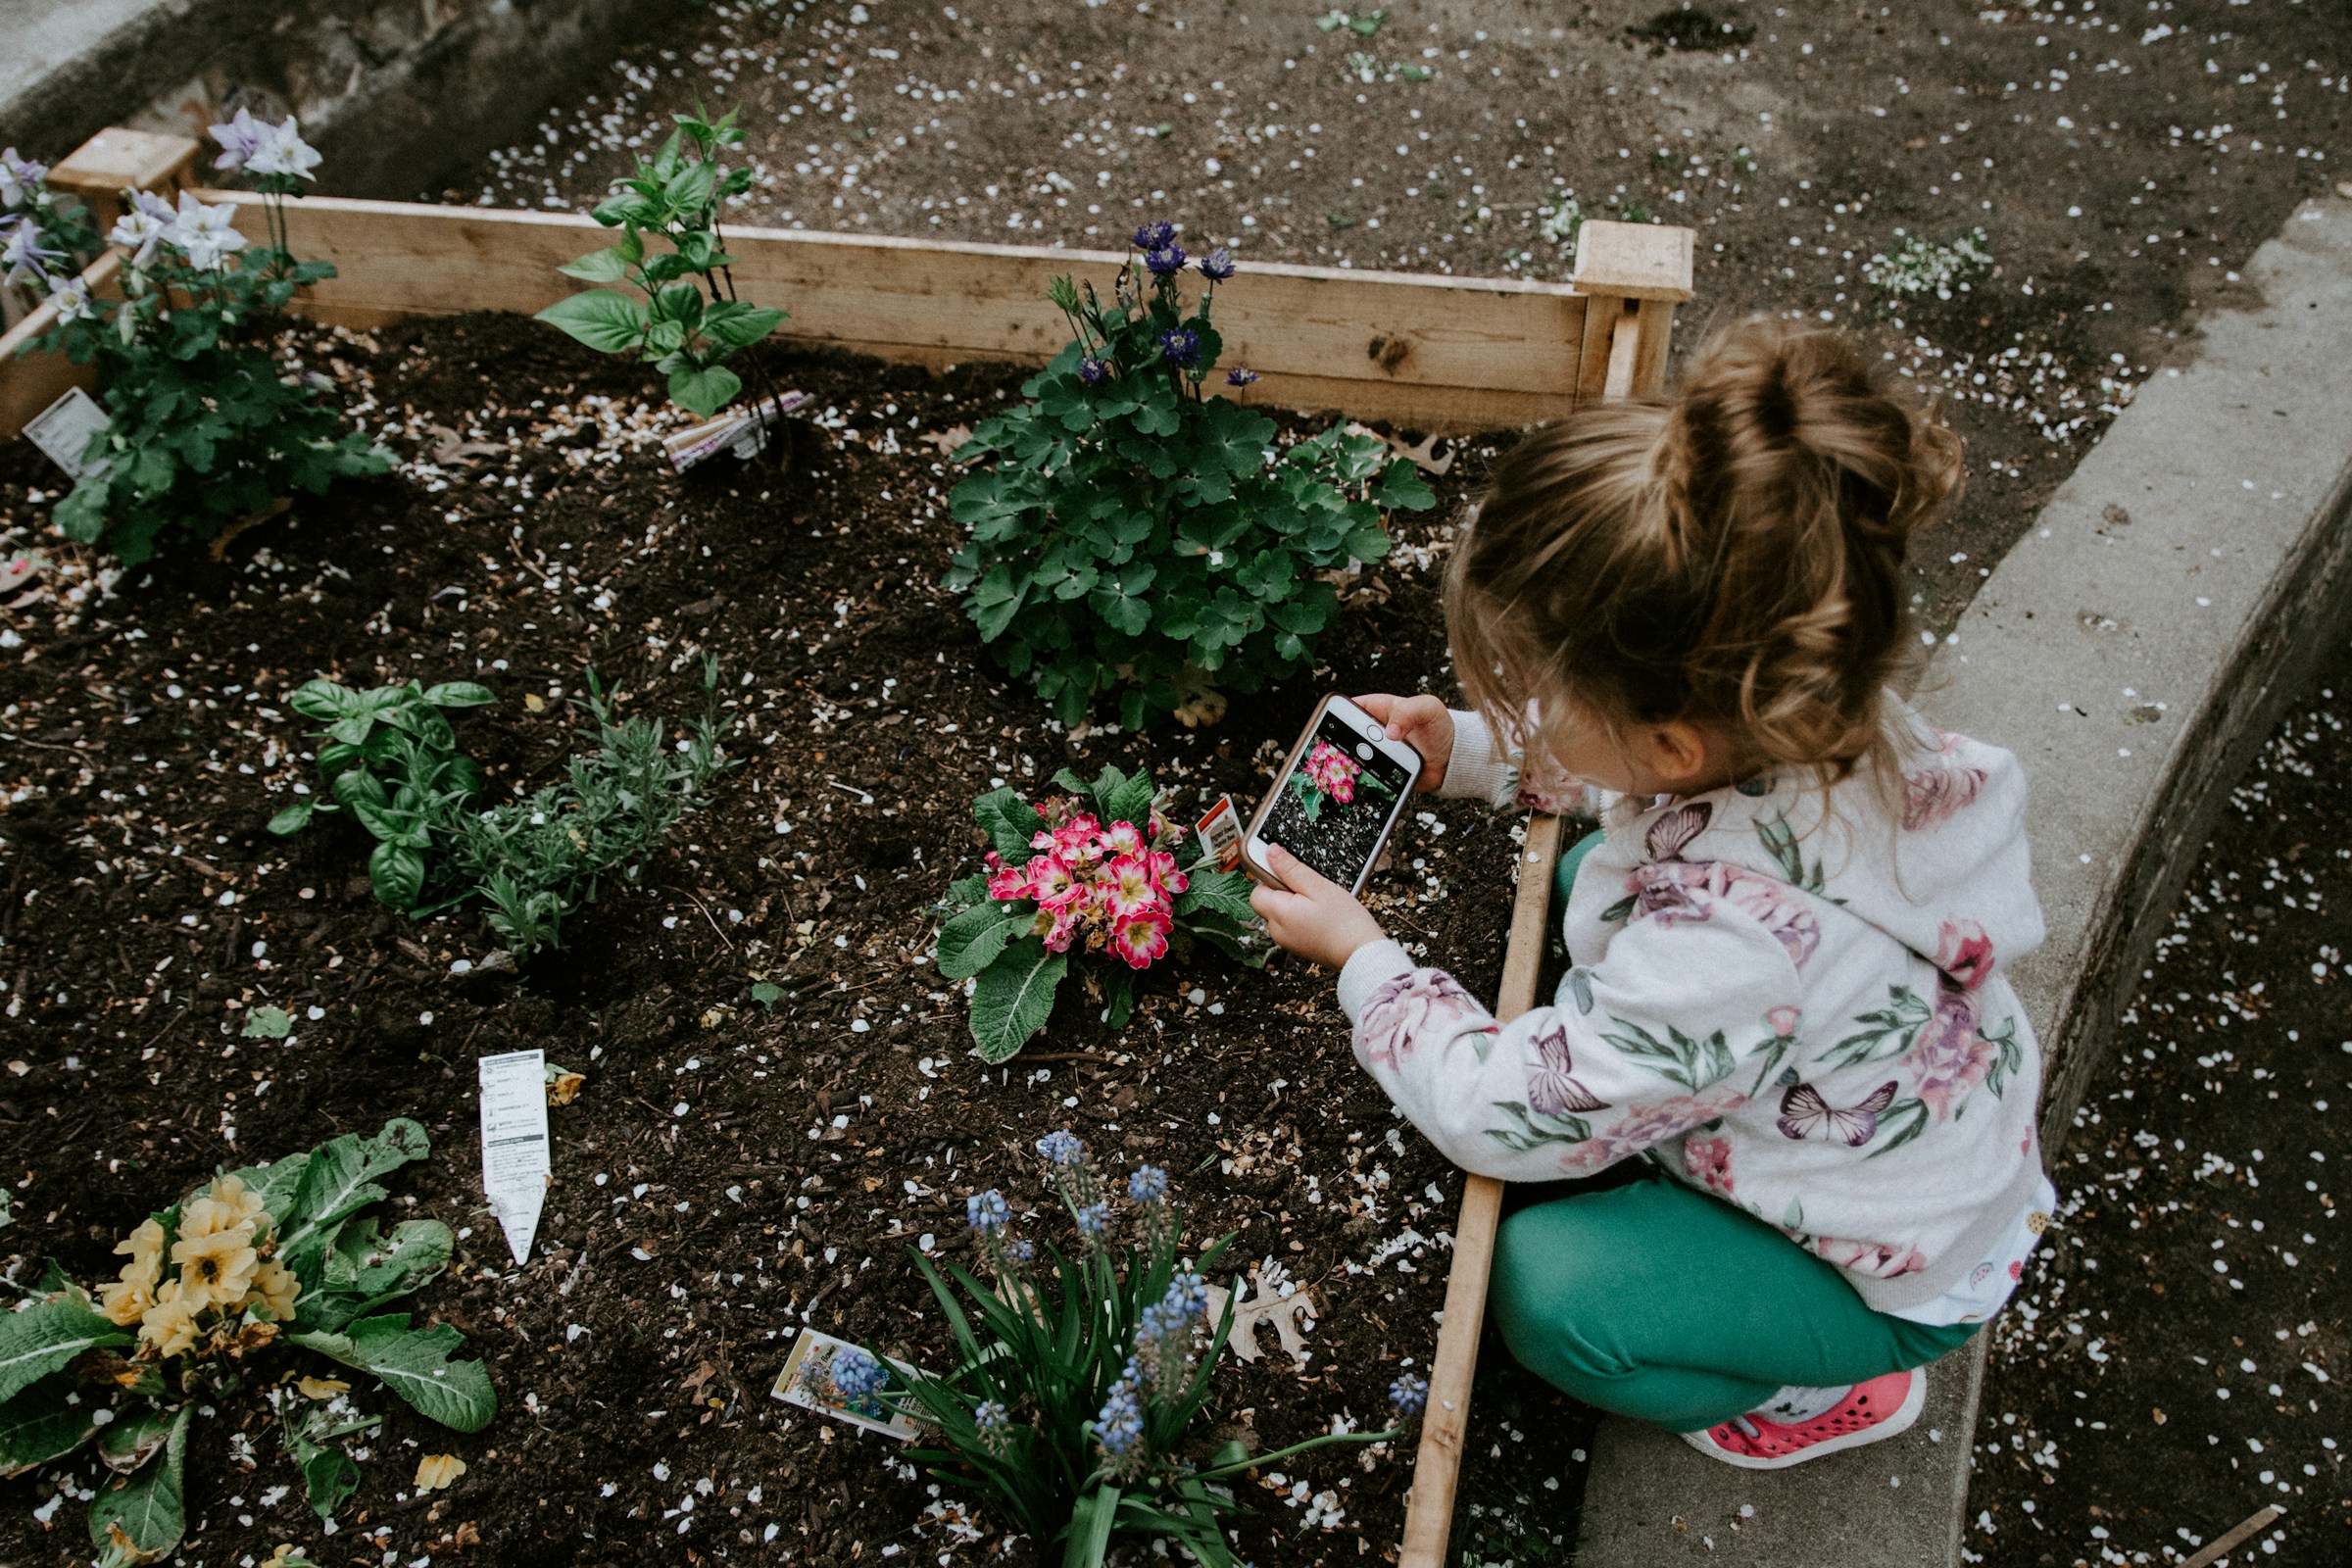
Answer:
(1335, 803)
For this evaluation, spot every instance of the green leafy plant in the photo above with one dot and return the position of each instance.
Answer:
(258, 1259)
(205, 429)
(675, 195)
(1092, 871)
(1135, 536)
(1922, 266)
(392, 761)
(1080, 1381)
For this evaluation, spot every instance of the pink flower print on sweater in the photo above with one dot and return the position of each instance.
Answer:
(1421, 1005)
(1665, 891)
(1965, 952)
(1709, 1160)
(1941, 790)
(1949, 1059)
(1880, 1260)
(1645, 1126)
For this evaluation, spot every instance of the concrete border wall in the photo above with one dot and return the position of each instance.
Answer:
(2135, 649)
(397, 94)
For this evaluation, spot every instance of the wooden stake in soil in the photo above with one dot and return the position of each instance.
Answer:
(2246, 1529)
(1429, 1517)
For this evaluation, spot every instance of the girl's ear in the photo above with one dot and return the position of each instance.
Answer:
(1678, 754)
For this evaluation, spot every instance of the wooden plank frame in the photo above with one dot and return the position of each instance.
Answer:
(1623, 354)
(1430, 353)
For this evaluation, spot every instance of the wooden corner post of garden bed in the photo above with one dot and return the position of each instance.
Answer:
(1635, 273)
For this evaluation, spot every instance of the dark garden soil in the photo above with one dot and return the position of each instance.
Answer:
(728, 1172)
(2180, 1356)
(2123, 159)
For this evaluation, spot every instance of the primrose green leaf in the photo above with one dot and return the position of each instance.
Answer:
(414, 1364)
(134, 1438)
(1009, 823)
(46, 1336)
(1013, 997)
(339, 1179)
(143, 1516)
(44, 1422)
(972, 941)
(606, 321)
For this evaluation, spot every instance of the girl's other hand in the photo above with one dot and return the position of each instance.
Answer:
(1423, 723)
(1316, 919)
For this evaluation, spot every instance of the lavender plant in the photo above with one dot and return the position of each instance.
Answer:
(1082, 1379)
(206, 427)
(1134, 536)
(675, 195)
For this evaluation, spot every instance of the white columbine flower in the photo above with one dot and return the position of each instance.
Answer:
(205, 234)
(139, 231)
(281, 150)
(73, 301)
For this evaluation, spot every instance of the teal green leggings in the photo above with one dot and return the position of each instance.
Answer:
(1656, 1301)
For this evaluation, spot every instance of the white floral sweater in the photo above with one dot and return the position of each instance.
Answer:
(1799, 1011)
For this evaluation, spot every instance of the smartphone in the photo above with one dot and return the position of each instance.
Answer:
(1338, 797)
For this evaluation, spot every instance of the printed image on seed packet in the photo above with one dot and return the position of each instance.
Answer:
(844, 1381)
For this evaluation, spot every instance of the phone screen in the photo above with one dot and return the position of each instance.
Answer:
(1336, 801)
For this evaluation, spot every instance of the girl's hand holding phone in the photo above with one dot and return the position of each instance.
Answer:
(1421, 722)
(1316, 919)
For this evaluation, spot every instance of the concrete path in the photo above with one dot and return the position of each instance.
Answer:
(2134, 649)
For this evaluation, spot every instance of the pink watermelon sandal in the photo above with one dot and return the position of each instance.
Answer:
(1881, 1408)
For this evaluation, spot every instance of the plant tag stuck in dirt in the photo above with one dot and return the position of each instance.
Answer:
(514, 1154)
(1220, 835)
(63, 428)
(810, 1379)
(741, 433)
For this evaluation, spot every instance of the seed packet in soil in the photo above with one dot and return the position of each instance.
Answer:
(63, 428)
(516, 1158)
(805, 1382)
(1220, 835)
(743, 433)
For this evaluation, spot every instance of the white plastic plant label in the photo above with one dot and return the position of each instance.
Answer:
(63, 428)
(516, 1159)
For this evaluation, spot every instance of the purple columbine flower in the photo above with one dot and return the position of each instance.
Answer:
(27, 258)
(1181, 347)
(1155, 237)
(1238, 376)
(240, 139)
(1166, 263)
(20, 179)
(1217, 265)
(1092, 370)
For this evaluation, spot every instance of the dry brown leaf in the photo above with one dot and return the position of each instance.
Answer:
(948, 440)
(563, 1085)
(323, 1387)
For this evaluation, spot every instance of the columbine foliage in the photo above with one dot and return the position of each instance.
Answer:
(1095, 871)
(676, 196)
(392, 761)
(1081, 1379)
(205, 427)
(1135, 536)
(272, 1254)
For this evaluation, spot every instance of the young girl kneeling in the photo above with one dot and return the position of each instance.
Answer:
(1785, 943)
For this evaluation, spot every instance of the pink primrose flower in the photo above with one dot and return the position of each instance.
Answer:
(1164, 871)
(1332, 771)
(1079, 839)
(1122, 838)
(1142, 937)
(1051, 882)
(1128, 887)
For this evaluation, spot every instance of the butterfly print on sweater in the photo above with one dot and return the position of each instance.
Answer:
(1551, 1091)
(1804, 1111)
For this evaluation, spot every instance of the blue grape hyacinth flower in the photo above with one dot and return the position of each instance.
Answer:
(987, 1211)
(1147, 1184)
(1062, 1147)
(1409, 1395)
(857, 1375)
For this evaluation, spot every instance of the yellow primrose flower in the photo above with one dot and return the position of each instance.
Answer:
(125, 1300)
(226, 1206)
(438, 1470)
(273, 1291)
(170, 1323)
(144, 1248)
(216, 1269)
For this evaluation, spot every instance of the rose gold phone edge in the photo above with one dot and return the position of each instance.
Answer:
(1314, 722)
